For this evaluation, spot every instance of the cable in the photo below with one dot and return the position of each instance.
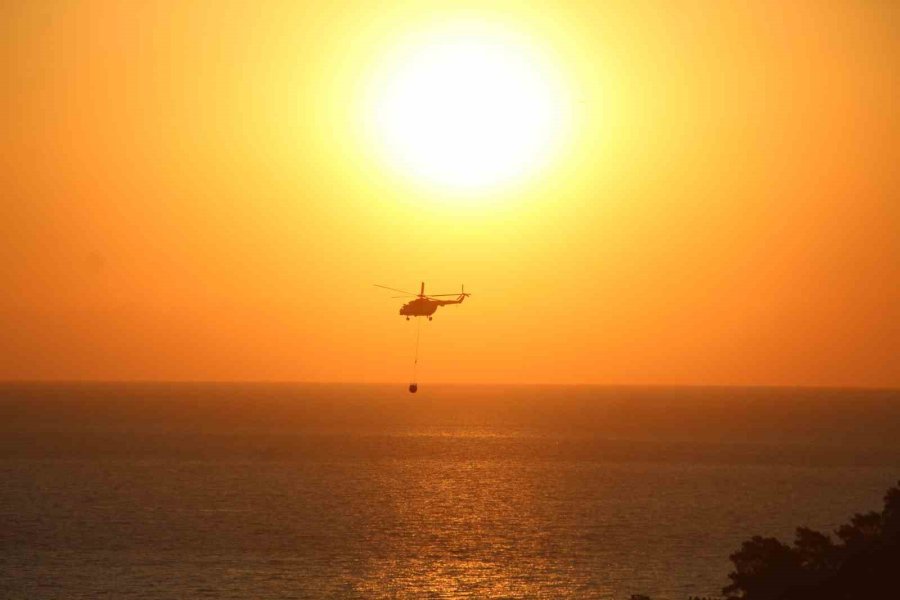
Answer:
(416, 359)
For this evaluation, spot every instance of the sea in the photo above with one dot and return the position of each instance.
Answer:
(251, 490)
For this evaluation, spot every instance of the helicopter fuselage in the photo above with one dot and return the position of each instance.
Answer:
(425, 307)
(420, 307)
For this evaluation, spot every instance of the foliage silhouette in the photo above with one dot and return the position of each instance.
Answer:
(865, 564)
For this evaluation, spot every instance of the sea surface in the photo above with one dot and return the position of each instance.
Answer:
(338, 491)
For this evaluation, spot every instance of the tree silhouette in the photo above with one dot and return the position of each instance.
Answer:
(763, 568)
(865, 564)
(818, 556)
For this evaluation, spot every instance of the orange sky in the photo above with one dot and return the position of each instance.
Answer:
(186, 194)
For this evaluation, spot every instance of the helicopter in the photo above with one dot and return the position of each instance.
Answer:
(424, 306)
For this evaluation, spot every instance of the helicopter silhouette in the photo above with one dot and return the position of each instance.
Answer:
(424, 305)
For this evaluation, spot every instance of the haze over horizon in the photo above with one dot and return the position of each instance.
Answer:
(208, 191)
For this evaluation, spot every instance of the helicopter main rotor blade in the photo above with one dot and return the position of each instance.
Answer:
(439, 295)
(394, 289)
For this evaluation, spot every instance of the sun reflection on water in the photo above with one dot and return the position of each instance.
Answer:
(479, 529)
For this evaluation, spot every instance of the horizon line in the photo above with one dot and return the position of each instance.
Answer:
(862, 387)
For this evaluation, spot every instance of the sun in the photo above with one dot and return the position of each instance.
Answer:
(468, 106)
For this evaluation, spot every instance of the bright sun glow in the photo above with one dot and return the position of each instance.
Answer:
(467, 107)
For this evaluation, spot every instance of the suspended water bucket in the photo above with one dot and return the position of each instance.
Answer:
(413, 388)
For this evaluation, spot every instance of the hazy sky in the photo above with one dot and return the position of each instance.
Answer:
(203, 190)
